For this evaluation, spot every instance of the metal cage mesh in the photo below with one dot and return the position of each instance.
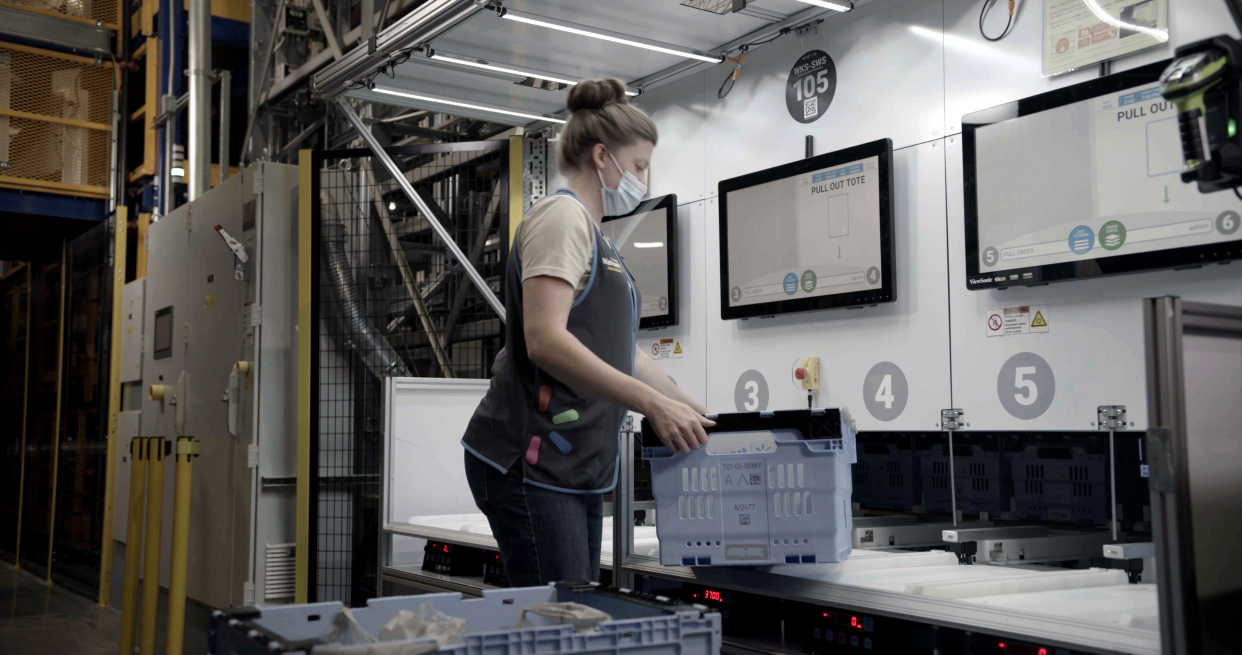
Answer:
(373, 249)
(55, 119)
(100, 10)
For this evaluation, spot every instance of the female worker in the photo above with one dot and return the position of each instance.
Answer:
(542, 447)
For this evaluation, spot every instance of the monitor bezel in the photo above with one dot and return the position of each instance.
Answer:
(1187, 256)
(669, 204)
(883, 150)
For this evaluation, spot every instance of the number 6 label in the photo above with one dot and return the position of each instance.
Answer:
(1026, 386)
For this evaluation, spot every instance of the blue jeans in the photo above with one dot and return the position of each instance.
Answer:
(544, 536)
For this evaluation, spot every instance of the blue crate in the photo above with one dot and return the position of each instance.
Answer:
(769, 488)
(641, 623)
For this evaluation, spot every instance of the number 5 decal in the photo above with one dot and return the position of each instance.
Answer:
(1020, 382)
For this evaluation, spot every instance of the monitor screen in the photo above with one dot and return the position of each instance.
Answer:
(814, 234)
(1083, 182)
(647, 240)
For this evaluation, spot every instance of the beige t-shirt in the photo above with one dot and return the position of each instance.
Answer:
(557, 239)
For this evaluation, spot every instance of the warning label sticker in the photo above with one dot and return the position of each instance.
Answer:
(666, 349)
(1023, 319)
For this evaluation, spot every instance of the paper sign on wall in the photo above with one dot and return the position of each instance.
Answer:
(1079, 33)
(1023, 319)
(666, 349)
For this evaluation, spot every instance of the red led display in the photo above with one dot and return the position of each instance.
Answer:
(1022, 649)
(844, 619)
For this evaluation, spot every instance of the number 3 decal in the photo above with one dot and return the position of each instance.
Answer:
(752, 395)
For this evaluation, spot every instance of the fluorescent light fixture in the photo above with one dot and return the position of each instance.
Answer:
(615, 37)
(468, 105)
(501, 67)
(1094, 6)
(648, 244)
(835, 6)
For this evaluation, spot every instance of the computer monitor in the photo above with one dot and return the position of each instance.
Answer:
(1085, 182)
(813, 234)
(647, 240)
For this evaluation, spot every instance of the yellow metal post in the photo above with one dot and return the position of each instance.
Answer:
(515, 185)
(306, 176)
(133, 542)
(21, 477)
(60, 379)
(144, 225)
(151, 560)
(119, 248)
(187, 449)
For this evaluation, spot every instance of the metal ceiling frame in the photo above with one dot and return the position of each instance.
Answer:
(440, 16)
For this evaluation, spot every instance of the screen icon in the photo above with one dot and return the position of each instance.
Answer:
(1081, 240)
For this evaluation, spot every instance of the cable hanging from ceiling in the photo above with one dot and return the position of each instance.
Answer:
(727, 85)
(983, 14)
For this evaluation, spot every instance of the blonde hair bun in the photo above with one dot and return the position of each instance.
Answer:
(596, 94)
(600, 112)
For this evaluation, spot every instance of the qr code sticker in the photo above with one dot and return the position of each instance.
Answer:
(743, 519)
(755, 479)
(810, 108)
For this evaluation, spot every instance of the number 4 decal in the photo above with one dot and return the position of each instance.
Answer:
(885, 393)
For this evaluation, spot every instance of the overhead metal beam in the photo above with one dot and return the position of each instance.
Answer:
(428, 214)
(666, 75)
(57, 31)
(333, 44)
(424, 23)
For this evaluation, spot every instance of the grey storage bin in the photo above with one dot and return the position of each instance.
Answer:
(641, 623)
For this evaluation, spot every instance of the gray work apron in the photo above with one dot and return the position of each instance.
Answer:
(564, 440)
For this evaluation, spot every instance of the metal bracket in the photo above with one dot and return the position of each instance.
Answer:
(950, 419)
(1111, 417)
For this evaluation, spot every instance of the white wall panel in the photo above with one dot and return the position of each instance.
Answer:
(690, 370)
(912, 332)
(679, 164)
(890, 83)
(979, 74)
(1095, 340)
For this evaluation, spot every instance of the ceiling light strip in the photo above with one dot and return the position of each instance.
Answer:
(835, 6)
(467, 105)
(605, 35)
(501, 67)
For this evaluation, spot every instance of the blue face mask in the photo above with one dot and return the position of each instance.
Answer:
(626, 197)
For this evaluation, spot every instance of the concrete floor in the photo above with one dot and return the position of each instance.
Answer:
(37, 618)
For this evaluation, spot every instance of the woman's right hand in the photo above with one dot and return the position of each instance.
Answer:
(678, 426)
